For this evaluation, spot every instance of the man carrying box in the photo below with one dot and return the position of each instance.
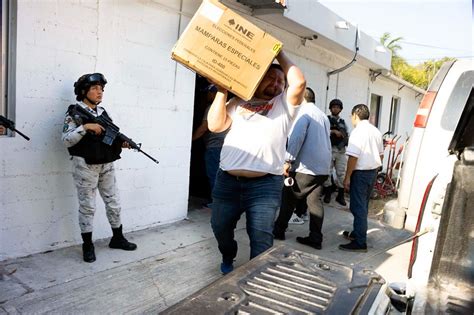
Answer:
(250, 177)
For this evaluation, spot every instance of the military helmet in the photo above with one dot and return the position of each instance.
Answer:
(82, 85)
(335, 102)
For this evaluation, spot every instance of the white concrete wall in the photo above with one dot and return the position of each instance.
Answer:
(409, 101)
(148, 96)
(315, 16)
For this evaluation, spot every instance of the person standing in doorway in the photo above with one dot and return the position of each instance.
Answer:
(93, 164)
(213, 141)
(339, 138)
(365, 152)
(250, 177)
(308, 160)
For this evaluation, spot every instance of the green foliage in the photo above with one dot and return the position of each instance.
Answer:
(391, 43)
(419, 75)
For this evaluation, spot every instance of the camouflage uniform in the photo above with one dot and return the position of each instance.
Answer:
(89, 177)
(339, 162)
(339, 159)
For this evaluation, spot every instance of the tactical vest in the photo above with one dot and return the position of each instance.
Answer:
(91, 147)
(339, 125)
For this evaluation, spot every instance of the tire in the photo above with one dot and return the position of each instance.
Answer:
(380, 178)
(375, 194)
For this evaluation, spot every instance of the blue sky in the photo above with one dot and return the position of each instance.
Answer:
(431, 29)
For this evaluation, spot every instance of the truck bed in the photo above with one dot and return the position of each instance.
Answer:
(284, 280)
(450, 288)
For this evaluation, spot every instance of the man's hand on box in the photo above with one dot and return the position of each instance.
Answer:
(218, 87)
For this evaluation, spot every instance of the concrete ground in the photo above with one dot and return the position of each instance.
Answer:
(171, 262)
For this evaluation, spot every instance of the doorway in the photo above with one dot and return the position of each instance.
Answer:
(199, 190)
(375, 104)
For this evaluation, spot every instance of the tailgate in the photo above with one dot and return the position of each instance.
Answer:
(284, 280)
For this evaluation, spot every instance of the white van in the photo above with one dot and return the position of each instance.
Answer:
(427, 149)
(437, 192)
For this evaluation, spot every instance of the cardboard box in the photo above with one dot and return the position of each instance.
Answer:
(224, 47)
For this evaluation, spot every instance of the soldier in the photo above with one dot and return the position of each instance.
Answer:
(93, 164)
(339, 139)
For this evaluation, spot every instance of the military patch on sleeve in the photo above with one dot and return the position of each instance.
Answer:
(65, 127)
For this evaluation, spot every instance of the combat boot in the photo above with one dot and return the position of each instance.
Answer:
(340, 197)
(88, 252)
(118, 241)
(327, 194)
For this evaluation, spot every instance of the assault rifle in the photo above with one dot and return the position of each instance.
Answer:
(7, 123)
(335, 126)
(111, 130)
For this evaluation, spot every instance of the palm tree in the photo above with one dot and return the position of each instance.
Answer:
(391, 44)
(420, 75)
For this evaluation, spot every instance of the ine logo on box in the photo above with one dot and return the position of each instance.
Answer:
(241, 29)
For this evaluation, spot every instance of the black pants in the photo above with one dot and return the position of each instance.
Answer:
(306, 188)
(301, 207)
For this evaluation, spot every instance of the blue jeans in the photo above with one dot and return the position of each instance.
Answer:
(212, 158)
(362, 183)
(258, 197)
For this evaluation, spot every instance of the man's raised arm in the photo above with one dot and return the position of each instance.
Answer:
(296, 80)
(217, 119)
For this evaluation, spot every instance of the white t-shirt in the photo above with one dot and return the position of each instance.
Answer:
(365, 143)
(257, 137)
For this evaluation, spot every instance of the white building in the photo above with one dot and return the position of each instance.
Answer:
(47, 45)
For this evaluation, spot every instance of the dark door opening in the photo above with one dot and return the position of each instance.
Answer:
(198, 182)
